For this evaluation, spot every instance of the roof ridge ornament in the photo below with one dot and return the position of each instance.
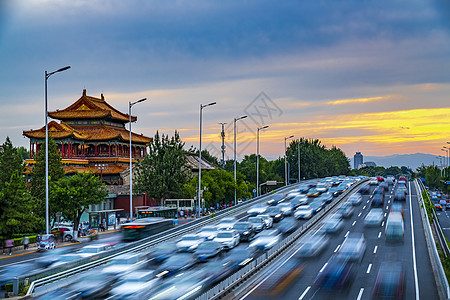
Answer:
(84, 92)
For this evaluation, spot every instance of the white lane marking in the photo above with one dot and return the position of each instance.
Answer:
(416, 280)
(382, 224)
(369, 268)
(354, 222)
(389, 201)
(379, 235)
(359, 215)
(304, 293)
(368, 201)
(385, 214)
(347, 233)
(323, 268)
(19, 262)
(387, 207)
(364, 207)
(361, 291)
(337, 248)
(375, 249)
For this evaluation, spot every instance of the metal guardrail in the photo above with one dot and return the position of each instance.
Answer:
(62, 273)
(436, 264)
(240, 276)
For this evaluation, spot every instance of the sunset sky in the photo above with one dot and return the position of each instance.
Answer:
(369, 76)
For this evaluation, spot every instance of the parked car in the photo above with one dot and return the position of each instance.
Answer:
(228, 238)
(66, 231)
(245, 230)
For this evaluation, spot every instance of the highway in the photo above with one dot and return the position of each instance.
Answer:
(412, 253)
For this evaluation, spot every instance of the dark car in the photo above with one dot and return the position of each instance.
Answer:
(163, 251)
(377, 200)
(216, 271)
(275, 199)
(337, 275)
(287, 226)
(399, 195)
(275, 213)
(316, 205)
(93, 285)
(298, 200)
(364, 190)
(340, 189)
(313, 192)
(176, 263)
(390, 282)
(239, 257)
(245, 230)
(303, 189)
(326, 197)
(207, 250)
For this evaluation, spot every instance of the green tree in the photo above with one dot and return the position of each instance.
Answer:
(10, 162)
(55, 172)
(161, 174)
(19, 208)
(73, 195)
(432, 176)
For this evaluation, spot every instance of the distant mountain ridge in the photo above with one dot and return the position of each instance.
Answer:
(412, 161)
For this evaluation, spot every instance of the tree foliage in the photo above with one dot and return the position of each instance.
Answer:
(73, 195)
(161, 174)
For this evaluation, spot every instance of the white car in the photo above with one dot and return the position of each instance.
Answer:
(303, 212)
(226, 223)
(208, 232)
(91, 250)
(355, 199)
(134, 285)
(228, 238)
(374, 217)
(353, 247)
(256, 210)
(67, 231)
(189, 242)
(312, 245)
(265, 240)
(124, 263)
(268, 221)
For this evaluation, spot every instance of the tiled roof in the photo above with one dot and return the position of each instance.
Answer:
(88, 107)
(87, 133)
(192, 160)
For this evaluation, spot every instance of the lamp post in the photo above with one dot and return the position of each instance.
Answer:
(47, 75)
(446, 150)
(285, 160)
(257, 159)
(200, 157)
(101, 167)
(236, 119)
(130, 105)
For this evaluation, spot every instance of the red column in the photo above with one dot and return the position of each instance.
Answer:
(95, 150)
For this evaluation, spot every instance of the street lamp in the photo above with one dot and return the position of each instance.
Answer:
(200, 157)
(447, 150)
(285, 160)
(101, 167)
(130, 105)
(257, 159)
(47, 75)
(236, 119)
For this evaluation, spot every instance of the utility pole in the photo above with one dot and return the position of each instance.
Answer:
(222, 134)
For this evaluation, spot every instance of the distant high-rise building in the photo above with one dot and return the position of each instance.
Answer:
(358, 160)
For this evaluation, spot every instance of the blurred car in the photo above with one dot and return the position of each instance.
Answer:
(353, 247)
(390, 281)
(207, 250)
(317, 205)
(265, 240)
(346, 210)
(92, 250)
(268, 221)
(286, 208)
(398, 207)
(189, 242)
(312, 245)
(355, 199)
(227, 238)
(256, 210)
(287, 226)
(443, 204)
(303, 189)
(402, 179)
(364, 190)
(239, 257)
(216, 271)
(186, 285)
(321, 188)
(374, 217)
(66, 259)
(174, 264)
(438, 206)
(275, 199)
(47, 242)
(134, 285)
(67, 232)
(124, 263)
(208, 232)
(163, 251)
(326, 197)
(258, 223)
(275, 213)
(226, 223)
(49, 258)
(333, 224)
(93, 285)
(395, 227)
(402, 187)
(313, 192)
(280, 280)
(245, 230)
(399, 195)
(291, 195)
(303, 212)
(337, 275)
(298, 200)
(377, 200)
(373, 181)
(341, 188)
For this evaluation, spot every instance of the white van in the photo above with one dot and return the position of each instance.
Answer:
(395, 228)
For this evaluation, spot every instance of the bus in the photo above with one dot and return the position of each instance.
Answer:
(158, 211)
(145, 227)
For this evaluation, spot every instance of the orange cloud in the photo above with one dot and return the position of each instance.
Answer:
(358, 100)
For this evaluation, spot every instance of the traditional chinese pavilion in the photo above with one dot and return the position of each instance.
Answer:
(91, 136)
